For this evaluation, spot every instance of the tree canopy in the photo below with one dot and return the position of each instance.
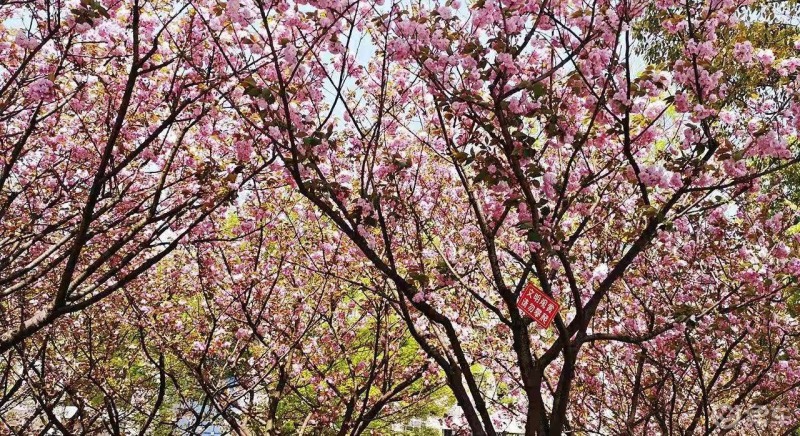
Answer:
(317, 216)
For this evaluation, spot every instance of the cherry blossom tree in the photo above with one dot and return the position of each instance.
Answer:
(437, 157)
(120, 152)
(113, 148)
(488, 145)
(235, 331)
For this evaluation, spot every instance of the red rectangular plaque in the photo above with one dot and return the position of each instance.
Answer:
(537, 305)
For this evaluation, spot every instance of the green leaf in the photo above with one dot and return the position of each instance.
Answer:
(534, 236)
(460, 156)
(311, 141)
(538, 89)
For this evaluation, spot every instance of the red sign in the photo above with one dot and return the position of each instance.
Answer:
(537, 305)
